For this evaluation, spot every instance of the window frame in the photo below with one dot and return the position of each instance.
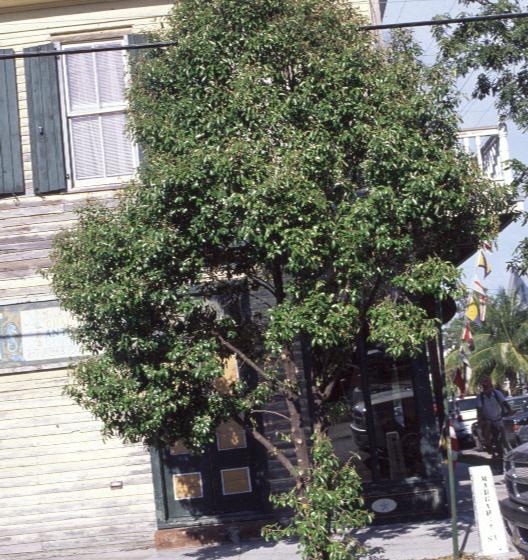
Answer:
(73, 184)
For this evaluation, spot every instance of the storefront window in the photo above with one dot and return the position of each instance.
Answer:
(396, 426)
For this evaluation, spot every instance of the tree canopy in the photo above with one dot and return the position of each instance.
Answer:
(285, 148)
(288, 156)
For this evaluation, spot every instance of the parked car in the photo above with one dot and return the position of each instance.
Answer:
(464, 410)
(464, 436)
(514, 508)
(515, 426)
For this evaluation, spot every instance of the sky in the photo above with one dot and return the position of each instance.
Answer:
(474, 113)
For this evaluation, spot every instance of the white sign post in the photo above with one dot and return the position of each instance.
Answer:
(487, 513)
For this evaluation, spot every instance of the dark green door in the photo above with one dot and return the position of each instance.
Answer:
(227, 478)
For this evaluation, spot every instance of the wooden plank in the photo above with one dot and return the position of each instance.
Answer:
(24, 271)
(100, 476)
(114, 508)
(84, 495)
(23, 264)
(16, 247)
(48, 441)
(86, 461)
(32, 433)
(32, 382)
(138, 519)
(127, 539)
(31, 227)
(62, 451)
(57, 199)
(115, 500)
(23, 255)
(39, 293)
(40, 210)
(52, 540)
(24, 239)
(72, 491)
(72, 418)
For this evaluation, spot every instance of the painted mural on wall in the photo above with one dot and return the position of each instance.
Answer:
(37, 332)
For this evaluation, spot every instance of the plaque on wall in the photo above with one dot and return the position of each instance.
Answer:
(35, 333)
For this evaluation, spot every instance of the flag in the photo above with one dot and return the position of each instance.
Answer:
(468, 338)
(487, 245)
(459, 382)
(483, 263)
(473, 312)
(463, 357)
(518, 289)
(483, 300)
(478, 287)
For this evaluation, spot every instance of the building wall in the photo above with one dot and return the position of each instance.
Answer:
(56, 475)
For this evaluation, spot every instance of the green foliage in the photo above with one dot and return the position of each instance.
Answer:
(501, 342)
(402, 328)
(285, 150)
(329, 507)
(496, 48)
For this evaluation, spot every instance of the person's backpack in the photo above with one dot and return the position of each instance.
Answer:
(504, 408)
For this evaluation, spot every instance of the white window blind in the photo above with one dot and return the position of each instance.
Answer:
(96, 114)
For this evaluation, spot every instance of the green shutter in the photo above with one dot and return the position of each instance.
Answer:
(45, 121)
(11, 171)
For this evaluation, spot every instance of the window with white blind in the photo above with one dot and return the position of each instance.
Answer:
(93, 85)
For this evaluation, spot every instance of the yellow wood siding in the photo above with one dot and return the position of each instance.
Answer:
(28, 223)
(56, 472)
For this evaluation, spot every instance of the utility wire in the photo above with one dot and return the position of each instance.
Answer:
(162, 44)
(446, 21)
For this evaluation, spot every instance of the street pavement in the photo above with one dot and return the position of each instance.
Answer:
(425, 540)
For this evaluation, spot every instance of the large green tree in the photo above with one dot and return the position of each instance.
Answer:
(289, 155)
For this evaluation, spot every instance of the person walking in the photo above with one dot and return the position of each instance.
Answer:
(491, 409)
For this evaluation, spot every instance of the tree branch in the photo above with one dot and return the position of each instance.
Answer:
(270, 448)
(273, 412)
(262, 283)
(371, 296)
(240, 354)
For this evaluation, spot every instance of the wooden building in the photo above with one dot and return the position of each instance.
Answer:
(63, 490)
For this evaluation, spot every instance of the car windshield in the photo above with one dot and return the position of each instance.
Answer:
(463, 405)
(467, 404)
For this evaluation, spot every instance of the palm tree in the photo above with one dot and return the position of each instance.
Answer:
(501, 342)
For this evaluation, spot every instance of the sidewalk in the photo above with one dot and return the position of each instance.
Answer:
(405, 541)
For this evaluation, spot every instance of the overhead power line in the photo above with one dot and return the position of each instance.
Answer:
(447, 21)
(162, 44)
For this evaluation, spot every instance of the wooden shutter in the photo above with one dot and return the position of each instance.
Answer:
(11, 174)
(45, 121)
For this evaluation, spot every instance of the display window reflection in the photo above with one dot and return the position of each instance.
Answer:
(396, 427)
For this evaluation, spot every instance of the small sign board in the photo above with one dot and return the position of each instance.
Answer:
(32, 333)
(487, 513)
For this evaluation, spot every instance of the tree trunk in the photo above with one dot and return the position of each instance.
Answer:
(294, 403)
